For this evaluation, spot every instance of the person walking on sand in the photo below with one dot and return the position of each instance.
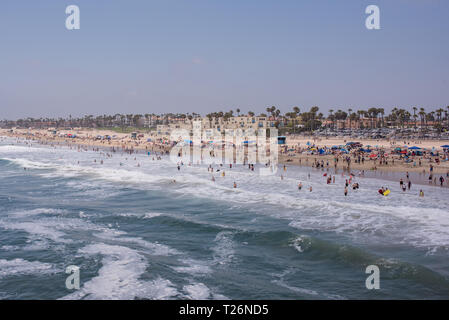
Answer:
(441, 180)
(346, 191)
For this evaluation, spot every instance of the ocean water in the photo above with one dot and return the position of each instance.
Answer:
(135, 234)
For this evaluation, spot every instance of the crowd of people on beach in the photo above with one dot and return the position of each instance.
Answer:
(156, 148)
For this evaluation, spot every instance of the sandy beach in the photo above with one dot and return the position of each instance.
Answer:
(295, 152)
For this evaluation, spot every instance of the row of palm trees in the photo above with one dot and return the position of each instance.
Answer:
(311, 119)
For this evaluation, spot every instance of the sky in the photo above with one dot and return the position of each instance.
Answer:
(145, 56)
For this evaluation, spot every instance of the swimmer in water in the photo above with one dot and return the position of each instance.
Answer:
(299, 185)
(346, 191)
(310, 189)
(421, 193)
(235, 185)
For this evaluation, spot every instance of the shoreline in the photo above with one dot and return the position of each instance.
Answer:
(159, 144)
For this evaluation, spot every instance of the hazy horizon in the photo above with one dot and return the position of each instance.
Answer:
(205, 56)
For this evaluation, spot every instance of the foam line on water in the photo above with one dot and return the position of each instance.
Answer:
(119, 277)
(19, 266)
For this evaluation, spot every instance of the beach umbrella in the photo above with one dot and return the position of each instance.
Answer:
(373, 155)
(445, 146)
(414, 148)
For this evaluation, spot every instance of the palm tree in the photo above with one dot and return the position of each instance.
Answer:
(440, 115)
(446, 114)
(422, 115)
(414, 115)
(331, 116)
(350, 122)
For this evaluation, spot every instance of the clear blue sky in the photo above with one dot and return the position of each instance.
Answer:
(144, 56)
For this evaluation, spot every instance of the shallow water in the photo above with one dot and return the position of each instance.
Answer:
(135, 234)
